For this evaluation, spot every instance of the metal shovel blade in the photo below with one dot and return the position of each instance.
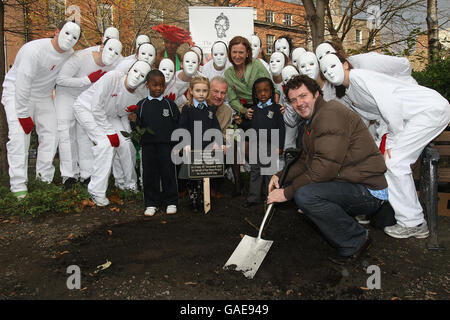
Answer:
(248, 256)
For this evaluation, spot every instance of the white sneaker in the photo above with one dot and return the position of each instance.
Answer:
(171, 209)
(363, 219)
(100, 201)
(150, 211)
(399, 232)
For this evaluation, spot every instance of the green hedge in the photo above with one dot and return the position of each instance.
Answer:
(436, 76)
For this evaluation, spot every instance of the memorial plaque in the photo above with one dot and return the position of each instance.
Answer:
(205, 165)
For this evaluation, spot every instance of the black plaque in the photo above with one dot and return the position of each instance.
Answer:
(205, 165)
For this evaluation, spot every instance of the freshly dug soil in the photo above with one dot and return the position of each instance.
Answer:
(181, 257)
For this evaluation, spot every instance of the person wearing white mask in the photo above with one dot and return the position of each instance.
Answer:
(308, 65)
(323, 49)
(142, 38)
(277, 62)
(102, 111)
(219, 63)
(290, 117)
(145, 52)
(256, 50)
(415, 116)
(296, 56)
(283, 44)
(27, 99)
(184, 76)
(77, 74)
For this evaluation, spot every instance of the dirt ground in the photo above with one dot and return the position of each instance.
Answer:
(181, 257)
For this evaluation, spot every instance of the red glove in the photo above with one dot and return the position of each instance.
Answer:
(94, 76)
(383, 143)
(132, 108)
(27, 124)
(170, 96)
(114, 139)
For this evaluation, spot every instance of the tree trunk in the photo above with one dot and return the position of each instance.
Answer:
(433, 31)
(3, 125)
(315, 15)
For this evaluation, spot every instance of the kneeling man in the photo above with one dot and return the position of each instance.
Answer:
(340, 173)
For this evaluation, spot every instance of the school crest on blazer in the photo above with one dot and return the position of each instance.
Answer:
(165, 112)
(210, 114)
(270, 114)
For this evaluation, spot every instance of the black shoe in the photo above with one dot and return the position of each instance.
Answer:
(85, 182)
(354, 257)
(68, 184)
(248, 204)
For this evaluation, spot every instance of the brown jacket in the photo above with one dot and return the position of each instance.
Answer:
(336, 146)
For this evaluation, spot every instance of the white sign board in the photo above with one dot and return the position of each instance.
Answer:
(210, 24)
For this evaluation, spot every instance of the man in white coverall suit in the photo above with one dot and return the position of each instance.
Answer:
(102, 111)
(78, 73)
(414, 115)
(27, 97)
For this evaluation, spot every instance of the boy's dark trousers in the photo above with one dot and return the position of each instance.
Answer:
(257, 182)
(157, 166)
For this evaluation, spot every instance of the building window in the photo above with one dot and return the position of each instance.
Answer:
(270, 16)
(104, 16)
(56, 12)
(358, 36)
(270, 39)
(288, 19)
(255, 14)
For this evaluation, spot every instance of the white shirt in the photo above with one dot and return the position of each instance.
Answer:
(73, 78)
(125, 64)
(33, 74)
(108, 97)
(210, 72)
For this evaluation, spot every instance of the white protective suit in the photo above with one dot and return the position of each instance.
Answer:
(415, 115)
(101, 110)
(27, 92)
(75, 148)
(210, 72)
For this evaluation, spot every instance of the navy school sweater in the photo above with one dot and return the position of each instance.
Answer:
(160, 116)
(207, 116)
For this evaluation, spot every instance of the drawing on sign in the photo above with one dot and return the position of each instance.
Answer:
(222, 24)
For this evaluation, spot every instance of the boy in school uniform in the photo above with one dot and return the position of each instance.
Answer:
(161, 115)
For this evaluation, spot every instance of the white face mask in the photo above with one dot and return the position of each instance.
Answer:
(147, 53)
(296, 56)
(282, 45)
(287, 73)
(256, 46)
(111, 51)
(276, 63)
(167, 67)
(190, 63)
(324, 49)
(142, 38)
(137, 74)
(68, 36)
(332, 69)
(110, 33)
(219, 54)
(309, 65)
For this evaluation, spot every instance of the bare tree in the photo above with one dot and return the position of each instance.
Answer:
(3, 125)
(433, 31)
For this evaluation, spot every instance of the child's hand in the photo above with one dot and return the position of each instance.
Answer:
(282, 109)
(224, 148)
(237, 119)
(132, 117)
(249, 113)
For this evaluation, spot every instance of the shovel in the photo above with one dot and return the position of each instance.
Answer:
(250, 252)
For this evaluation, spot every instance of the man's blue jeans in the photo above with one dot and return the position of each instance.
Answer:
(332, 206)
